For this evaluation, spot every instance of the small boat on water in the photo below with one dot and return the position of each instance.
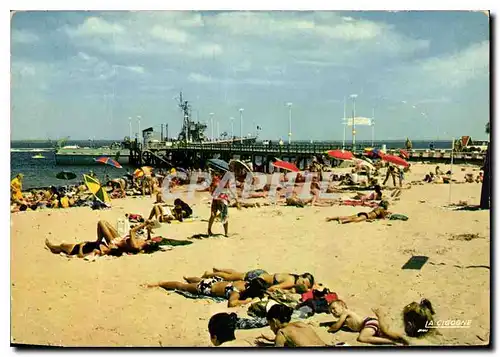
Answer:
(38, 156)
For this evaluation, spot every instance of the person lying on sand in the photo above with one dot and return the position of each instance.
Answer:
(284, 281)
(374, 196)
(236, 292)
(108, 242)
(221, 328)
(378, 213)
(289, 334)
(161, 213)
(373, 330)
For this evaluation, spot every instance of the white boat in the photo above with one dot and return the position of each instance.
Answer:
(38, 156)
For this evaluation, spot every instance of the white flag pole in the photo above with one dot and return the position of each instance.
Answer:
(451, 166)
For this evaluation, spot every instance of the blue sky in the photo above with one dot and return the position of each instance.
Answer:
(83, 74)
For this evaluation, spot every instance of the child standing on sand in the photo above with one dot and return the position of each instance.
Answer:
(371, 329)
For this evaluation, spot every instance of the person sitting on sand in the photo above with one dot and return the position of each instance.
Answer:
(237, 293)
(284, 281)
(416, 318)
(378, 213)
(289, 334)
(469, 178)
(221, 327)
(372, 330)
(438, 171)
(161, 213)
(108, 242)
(181, 210)
(374, 196)
(429, 177)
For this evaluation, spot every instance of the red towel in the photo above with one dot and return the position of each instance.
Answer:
(329, 297)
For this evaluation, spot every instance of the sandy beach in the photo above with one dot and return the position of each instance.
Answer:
(64, 301)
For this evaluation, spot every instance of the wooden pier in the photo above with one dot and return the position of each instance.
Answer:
(195, 155)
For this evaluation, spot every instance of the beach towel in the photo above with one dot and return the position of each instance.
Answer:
(250, 323)
(135, 218)
(169, 241)
(399, 217)
(188, 295)
(329, 296)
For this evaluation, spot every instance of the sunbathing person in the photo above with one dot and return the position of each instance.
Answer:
(236, 292)
(108, 242)
(372, 330)
(283, 281)
(378, 213)
(374, 196)
(161, 213)
(289, 334)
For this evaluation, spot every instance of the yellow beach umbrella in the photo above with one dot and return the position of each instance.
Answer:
(96, 189)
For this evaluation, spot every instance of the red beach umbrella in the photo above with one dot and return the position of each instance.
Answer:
(340, 154)
(285, 165)
(108, 161)
(396, 160)
(404, 154)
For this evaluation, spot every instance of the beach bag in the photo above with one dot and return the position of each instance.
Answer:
(399, 217)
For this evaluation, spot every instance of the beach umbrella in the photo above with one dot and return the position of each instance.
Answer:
(396, 160)
(404, 154)
(66, 175)
(218, 164)
(364, 163)
(96, 189)
(108, 161)
(144, 170)
(285, 165)
(235, 165)
(340, 154)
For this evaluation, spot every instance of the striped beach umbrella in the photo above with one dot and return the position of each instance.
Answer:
(96, 189)
(108, 161)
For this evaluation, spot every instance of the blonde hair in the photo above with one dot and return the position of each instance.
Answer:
(338, 302)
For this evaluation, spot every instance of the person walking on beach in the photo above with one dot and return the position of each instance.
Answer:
(220, 203)
(391, 171)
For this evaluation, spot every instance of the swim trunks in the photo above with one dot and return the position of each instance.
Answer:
(204, 287)
(371, 322)
(254, 274)
(229, 289)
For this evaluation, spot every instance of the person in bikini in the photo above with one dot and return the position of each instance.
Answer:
(372, 330)
(374, 196)
(108, 242)
(237, 293)
(161, 213)
(283, 281)
(378, 213)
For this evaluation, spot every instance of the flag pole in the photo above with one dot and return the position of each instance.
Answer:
(451, 166)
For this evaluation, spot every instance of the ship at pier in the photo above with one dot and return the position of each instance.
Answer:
(191, 132)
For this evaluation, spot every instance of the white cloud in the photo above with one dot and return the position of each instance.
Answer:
(95, 26)
(23, 36)
(199, 78)
(171, 35)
